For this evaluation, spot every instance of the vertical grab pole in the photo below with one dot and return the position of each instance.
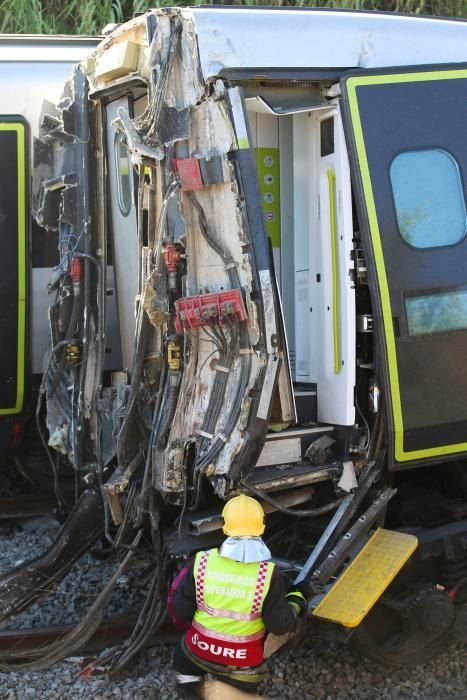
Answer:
(335, 269)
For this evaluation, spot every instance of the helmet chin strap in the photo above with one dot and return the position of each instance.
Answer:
(245, 549)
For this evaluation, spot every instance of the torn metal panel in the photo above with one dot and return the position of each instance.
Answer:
(208, 417)
(322, 38)
(208, 270)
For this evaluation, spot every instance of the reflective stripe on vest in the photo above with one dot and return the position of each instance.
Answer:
(224, 636)
(255, 612)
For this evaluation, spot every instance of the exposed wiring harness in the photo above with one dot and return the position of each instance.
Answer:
(228, 343)
(147, 123)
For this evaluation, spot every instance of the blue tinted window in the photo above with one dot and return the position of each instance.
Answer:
(429, 198)
(437, 313)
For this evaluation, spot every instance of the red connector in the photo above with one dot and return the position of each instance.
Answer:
(75, 270)
(171, 257)
(16, 433)
(209, 308)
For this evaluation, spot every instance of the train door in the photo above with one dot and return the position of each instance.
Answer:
(324, 292)
(406, 129)
(305, 188)
(13, 262)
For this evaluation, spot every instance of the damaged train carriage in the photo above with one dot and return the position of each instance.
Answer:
(291, 305)
(40, 64)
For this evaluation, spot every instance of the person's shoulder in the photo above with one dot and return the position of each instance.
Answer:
(204, 552)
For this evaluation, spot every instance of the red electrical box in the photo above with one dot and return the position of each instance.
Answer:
(202, 309)
(189, 173)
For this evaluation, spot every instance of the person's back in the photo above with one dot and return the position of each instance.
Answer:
(231, 598)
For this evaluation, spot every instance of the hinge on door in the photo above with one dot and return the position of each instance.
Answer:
(364, 323)
(360, 271)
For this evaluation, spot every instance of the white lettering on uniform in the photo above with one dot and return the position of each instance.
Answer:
(218, 650)
(231, 578)
(223, 591)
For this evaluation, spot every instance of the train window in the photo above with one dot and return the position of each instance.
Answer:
(437, 313)
(124, 171)
(429, 198)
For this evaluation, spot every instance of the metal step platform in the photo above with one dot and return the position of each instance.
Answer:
(366, 578)
(287, 476)
(289, 446)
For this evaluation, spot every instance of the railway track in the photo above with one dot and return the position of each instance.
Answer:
(25, 506)
(110, 633)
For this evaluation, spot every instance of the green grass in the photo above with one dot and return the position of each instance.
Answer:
(90, 16)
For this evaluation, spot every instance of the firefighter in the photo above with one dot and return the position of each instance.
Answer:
(229, 598)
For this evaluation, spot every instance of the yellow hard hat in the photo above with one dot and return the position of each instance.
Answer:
(243, 517)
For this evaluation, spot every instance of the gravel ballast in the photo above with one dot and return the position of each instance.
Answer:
(323, 672)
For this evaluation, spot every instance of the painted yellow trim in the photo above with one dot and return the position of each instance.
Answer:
(335, 270)
(352, 84)
(243, 143)
(21, 147)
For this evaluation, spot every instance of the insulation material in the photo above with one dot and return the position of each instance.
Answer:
(119, 60)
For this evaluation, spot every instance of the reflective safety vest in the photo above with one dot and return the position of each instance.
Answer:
(227, 627)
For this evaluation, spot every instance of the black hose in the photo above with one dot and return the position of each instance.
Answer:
(152, 113)
(288, 511)
(45, 656)
(227, 259)
(154, 427)
(152, 208)
(173, 383)
(75, 309)
(152, 615)
(134, 386)
(140, 219)
(207, 457)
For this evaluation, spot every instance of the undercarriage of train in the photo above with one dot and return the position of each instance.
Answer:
(197, 402)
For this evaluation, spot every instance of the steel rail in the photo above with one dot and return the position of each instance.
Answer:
(111, 632)
(26, 505)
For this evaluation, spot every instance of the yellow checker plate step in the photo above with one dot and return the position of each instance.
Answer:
(366, 577)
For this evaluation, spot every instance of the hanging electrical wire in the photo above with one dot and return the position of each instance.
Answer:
(231, 340)
(148, 122)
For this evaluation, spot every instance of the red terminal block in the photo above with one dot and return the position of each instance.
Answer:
(205, 308)
(75, 270)
(171, 257)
